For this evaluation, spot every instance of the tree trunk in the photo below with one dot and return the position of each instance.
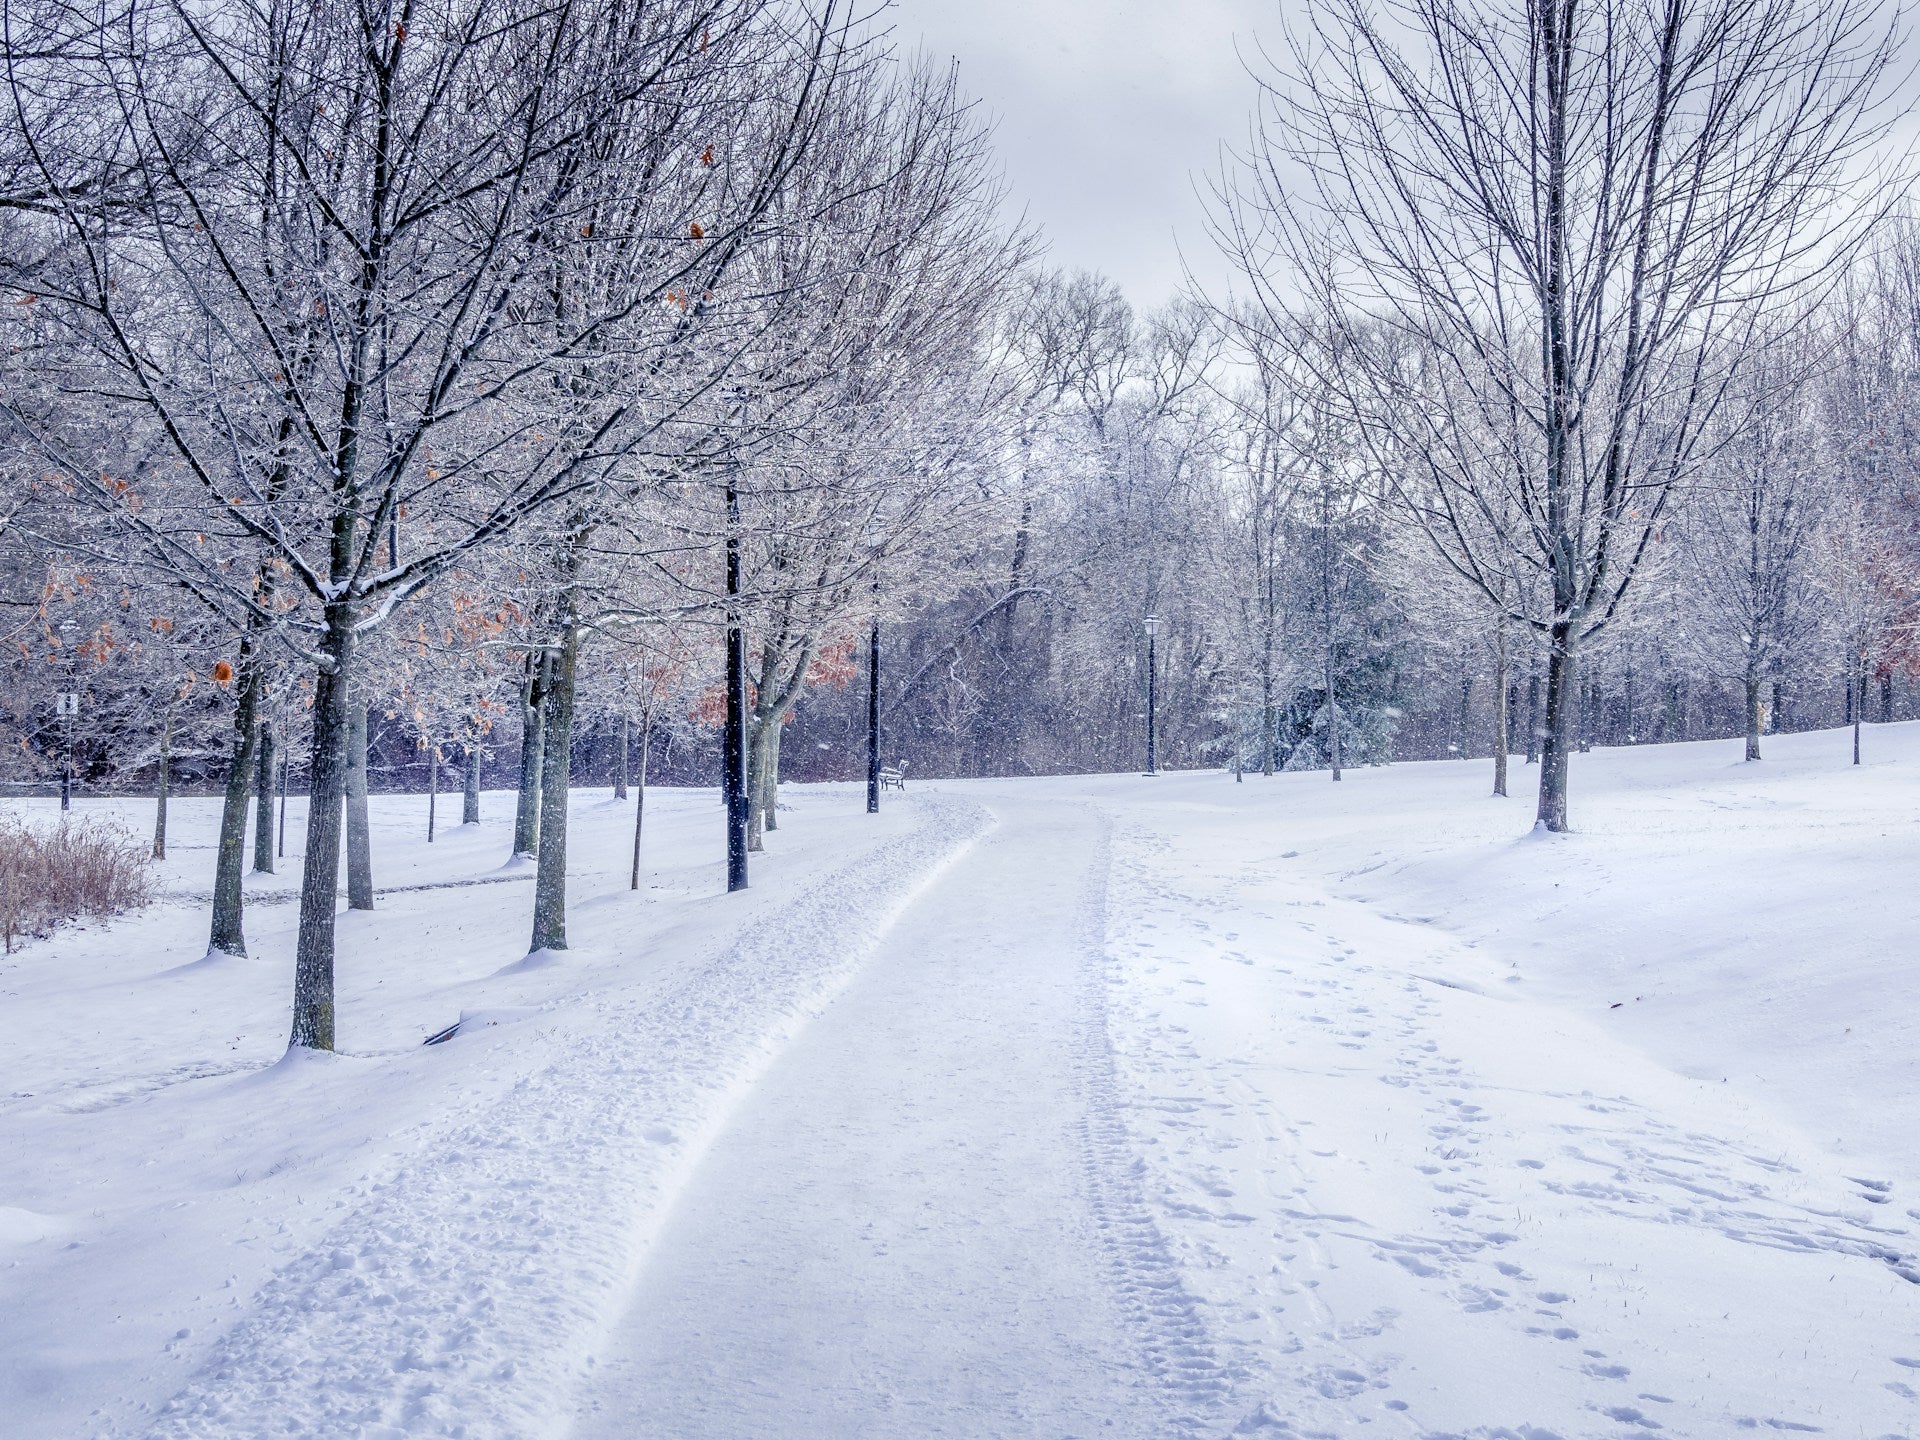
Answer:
(1534, 714)
(533, 715)
(1333, 718)
(1777, 716)
(640, 794)
(280, 843)
(1267, 720)
(1557, 729)
(433, 787)
(265, 772)
(1857, 696)
(1465, 736)
(1503, 699)
(228, 935)
(1886, 697)
(620, 761)
(161, 777)
(770, 774)
(313, 1013)
(470, 788)
(359, 828)
(757, 755)
(556, 772)
(1753, 705)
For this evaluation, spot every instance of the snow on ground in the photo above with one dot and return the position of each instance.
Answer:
(1425, 1176)
(1095, 1106)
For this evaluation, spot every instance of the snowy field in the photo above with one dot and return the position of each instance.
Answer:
(1092, 1107)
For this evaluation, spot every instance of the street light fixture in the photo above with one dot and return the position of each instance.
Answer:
(68, 706)
(873, 711)
(1152, 626)
(733, 746)
(876, 544)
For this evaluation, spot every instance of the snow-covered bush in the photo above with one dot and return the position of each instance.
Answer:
(51, 876)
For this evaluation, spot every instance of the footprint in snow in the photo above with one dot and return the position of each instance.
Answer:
(1627, 1415)
(1338, 1384)
(1414, 1265)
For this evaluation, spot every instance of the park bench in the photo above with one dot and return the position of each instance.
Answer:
(894, 777)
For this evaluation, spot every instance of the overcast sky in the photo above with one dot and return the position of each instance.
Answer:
(1107, 114)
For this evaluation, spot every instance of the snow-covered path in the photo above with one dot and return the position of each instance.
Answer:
(922, 1223)
(1087, 1106)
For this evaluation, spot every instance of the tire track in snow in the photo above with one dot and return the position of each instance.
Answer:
(465, 1295)
(1286, 1363)
(1172, 1331)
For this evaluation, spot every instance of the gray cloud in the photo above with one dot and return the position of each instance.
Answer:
(1107, 116)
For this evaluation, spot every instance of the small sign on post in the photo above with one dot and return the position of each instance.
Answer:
(68, 703)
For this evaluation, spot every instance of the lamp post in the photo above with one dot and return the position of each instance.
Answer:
(876, 544)
(69, 707)
(1152, 626)
(873, 717)
(733, 747)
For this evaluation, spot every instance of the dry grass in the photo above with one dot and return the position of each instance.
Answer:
(49, 877)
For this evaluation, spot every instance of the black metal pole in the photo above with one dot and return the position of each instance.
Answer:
(66, 762)
(873, 719)
(1153, 754)
(734, 757)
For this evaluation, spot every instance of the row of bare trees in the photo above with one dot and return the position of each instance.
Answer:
(1559, 393)
(383, 351)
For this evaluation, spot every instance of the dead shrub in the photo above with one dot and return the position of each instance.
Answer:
(49, 877)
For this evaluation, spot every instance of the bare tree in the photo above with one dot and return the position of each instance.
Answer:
(1576, 220)
(1264, 476)
(1745, 531)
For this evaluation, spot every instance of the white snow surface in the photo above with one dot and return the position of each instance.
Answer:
(1102, 1106)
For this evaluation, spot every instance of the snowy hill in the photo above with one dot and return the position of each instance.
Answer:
(1108, 1105)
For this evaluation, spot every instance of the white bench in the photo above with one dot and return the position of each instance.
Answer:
(893, 777)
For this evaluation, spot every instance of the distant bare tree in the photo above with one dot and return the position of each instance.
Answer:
(1746, 533)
